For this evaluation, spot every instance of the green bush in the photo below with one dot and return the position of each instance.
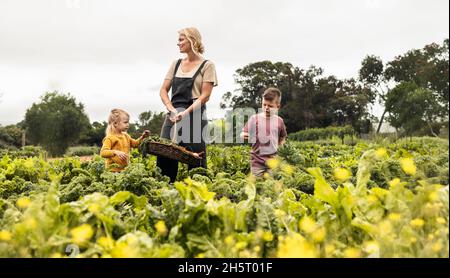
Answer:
(322, 133)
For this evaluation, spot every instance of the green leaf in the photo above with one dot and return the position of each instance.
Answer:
(322, 190)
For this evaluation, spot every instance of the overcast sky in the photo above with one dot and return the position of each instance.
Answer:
(115, 53)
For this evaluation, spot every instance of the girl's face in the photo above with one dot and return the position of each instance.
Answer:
(123, 124)
(184, 44)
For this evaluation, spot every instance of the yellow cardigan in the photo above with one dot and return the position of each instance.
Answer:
(117, 142)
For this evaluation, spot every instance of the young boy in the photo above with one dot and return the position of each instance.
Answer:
(266, 131)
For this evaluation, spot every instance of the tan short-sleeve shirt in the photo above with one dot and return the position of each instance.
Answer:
(207, 74)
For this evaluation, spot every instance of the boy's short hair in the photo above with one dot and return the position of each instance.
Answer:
(271, 94)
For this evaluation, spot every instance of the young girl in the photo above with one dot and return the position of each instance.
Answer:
(117, 143)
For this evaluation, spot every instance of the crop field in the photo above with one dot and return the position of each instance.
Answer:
(321, 199)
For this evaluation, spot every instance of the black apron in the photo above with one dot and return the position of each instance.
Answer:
(188, 131)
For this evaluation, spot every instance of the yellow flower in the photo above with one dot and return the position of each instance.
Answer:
(394, 216)
(440, 220)
(245, 254)
(329, 249)
(200, 255)
(437, 246)
(5, 235)
(256, 249)
(342, 174)
(372, 199)
(106, 242)
(23, 202)
(433, 196)
(81, 234)
(161, 228)
(307, 224)
(413, 239)
(266, 175)
(408, 166)
(417, 222)
(372, 247)
(240, 245)
(295, 246)
(280, 213)
(381, 153)
(352, 253)
(273, 163)
(94, 208)
(394, 182)
(56, 255)
(288, 169)
(319, 235)
(229, 240)
(267, 236)
(124, 250)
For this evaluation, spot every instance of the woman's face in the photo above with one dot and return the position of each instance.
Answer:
(184, 44)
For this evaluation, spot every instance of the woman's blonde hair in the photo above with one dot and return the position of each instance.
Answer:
(194, 37)
(114, 118)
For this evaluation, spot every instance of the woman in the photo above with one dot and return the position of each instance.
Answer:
(191, 80)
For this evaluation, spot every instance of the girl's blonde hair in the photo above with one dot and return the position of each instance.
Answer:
(114, 118)
(194, 37)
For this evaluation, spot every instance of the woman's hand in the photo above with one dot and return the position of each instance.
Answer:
(173, 115)
(180, 116)
(146, 133)
(198, 155)
(123, 156)
(177, 116)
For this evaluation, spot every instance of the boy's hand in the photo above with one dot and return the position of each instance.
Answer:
(123, 156)
(146, 133)
(244, 135)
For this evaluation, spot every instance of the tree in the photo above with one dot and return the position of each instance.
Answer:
(94, 134)
(11, 135)
(411, 107)
(152, 121)
(56, 122)
(427, 68)
(309, 99)
(372, 75)
(254, 78)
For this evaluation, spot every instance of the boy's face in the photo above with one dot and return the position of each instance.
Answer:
(270, 106)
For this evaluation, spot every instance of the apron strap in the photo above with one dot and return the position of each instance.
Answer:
(199, 69)
(176, 68)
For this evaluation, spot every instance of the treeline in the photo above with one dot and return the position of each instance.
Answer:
(413, 88)
(58, 122)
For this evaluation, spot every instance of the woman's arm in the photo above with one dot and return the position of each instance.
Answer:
(201, 100)
(164, 94)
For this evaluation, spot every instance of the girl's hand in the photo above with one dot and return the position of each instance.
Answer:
(123, 156)
(146, 133)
